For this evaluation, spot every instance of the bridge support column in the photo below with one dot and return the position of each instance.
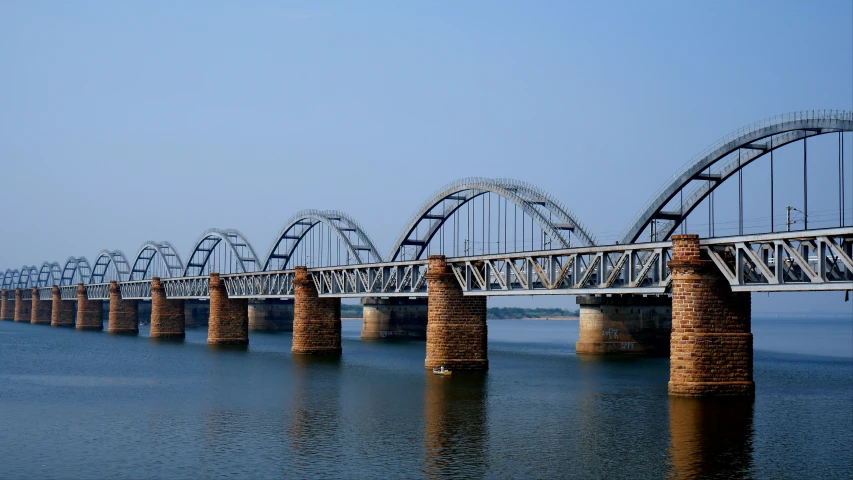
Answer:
(167, 316)
(23, 310)
(7, 308)
(456, 330)
(624, 325)
(41, 309)
(229, 317)
(394, 318)
(316, 321)
(271, 315)
(63, 310)
(711, 343)
(124, 314)
(196, 313)
(90, 313)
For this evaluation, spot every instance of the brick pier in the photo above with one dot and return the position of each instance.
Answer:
(41, 309)
(229, 317)
(456, 324)
(7, 308)
(316, 321)
(124, 314)
(394, 318)
(90, 313)
(23, 310)
(711, 342)
(63, 310)
(624, 325)
(167, 316)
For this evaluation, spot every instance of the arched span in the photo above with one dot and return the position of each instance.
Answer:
(753, 141)
(242, 252)
(141, 268)
(101, 269)
(544, 209)
(29, 277)
(76, 270)
(11, 278)
(298, 226)
(50, 274)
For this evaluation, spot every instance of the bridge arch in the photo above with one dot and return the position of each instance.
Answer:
(239, 253)
(101, 271)
(750, 143)
(11, 278)
(297, 228)
(28, 277)
(50, 274)
(76, 270)
(551, 216)
(148, 253)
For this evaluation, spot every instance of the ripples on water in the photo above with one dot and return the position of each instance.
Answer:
(91, 405)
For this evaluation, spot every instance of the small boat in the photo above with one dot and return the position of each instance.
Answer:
(441, 371)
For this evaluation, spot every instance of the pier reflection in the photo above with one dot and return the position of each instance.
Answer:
(314, 418)
(710, 438)
(455, 425)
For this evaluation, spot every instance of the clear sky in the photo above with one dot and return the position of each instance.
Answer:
(122, 122)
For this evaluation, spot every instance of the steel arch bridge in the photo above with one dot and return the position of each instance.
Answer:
(729, 155)
(809, 259)
(544, 209)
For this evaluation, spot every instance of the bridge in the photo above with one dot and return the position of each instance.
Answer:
(481, 237)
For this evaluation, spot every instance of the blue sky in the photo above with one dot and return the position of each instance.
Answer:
(122, 122)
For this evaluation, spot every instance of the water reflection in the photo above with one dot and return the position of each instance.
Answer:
(455, 425)
(314, 427)
(710, 438)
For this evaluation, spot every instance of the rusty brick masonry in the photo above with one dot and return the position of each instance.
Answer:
(7, 309)
(124, 314)
(711, 342)
(41, 309)
(229, 317)
(90, 313)
(23, 310)
(456, 324)
(63, 313)
(167, 316)
(316, 321)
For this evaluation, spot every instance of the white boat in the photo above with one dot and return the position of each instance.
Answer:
(441, 371)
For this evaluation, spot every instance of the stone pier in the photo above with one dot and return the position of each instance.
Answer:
(711, 343)
(124, 314)
(63, 311)
(229, 317)
(23, 309)
(624, 325)
(7, 307)
(394, 318)
(271, 315)
(41, 309)
(167, 316)
(90, 313)
(316, 321)
(196, 313)
(456, 329)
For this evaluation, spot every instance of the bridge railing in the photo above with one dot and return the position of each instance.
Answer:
(135, 290)
(614, 269)
(68, 292)
(799, 261)
(397, 279)
(45, 293)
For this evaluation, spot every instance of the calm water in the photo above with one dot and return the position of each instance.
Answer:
(91, 405)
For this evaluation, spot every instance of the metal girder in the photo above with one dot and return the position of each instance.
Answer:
(277, 284)
(27, 294)
(400, 279)
(45, 293)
